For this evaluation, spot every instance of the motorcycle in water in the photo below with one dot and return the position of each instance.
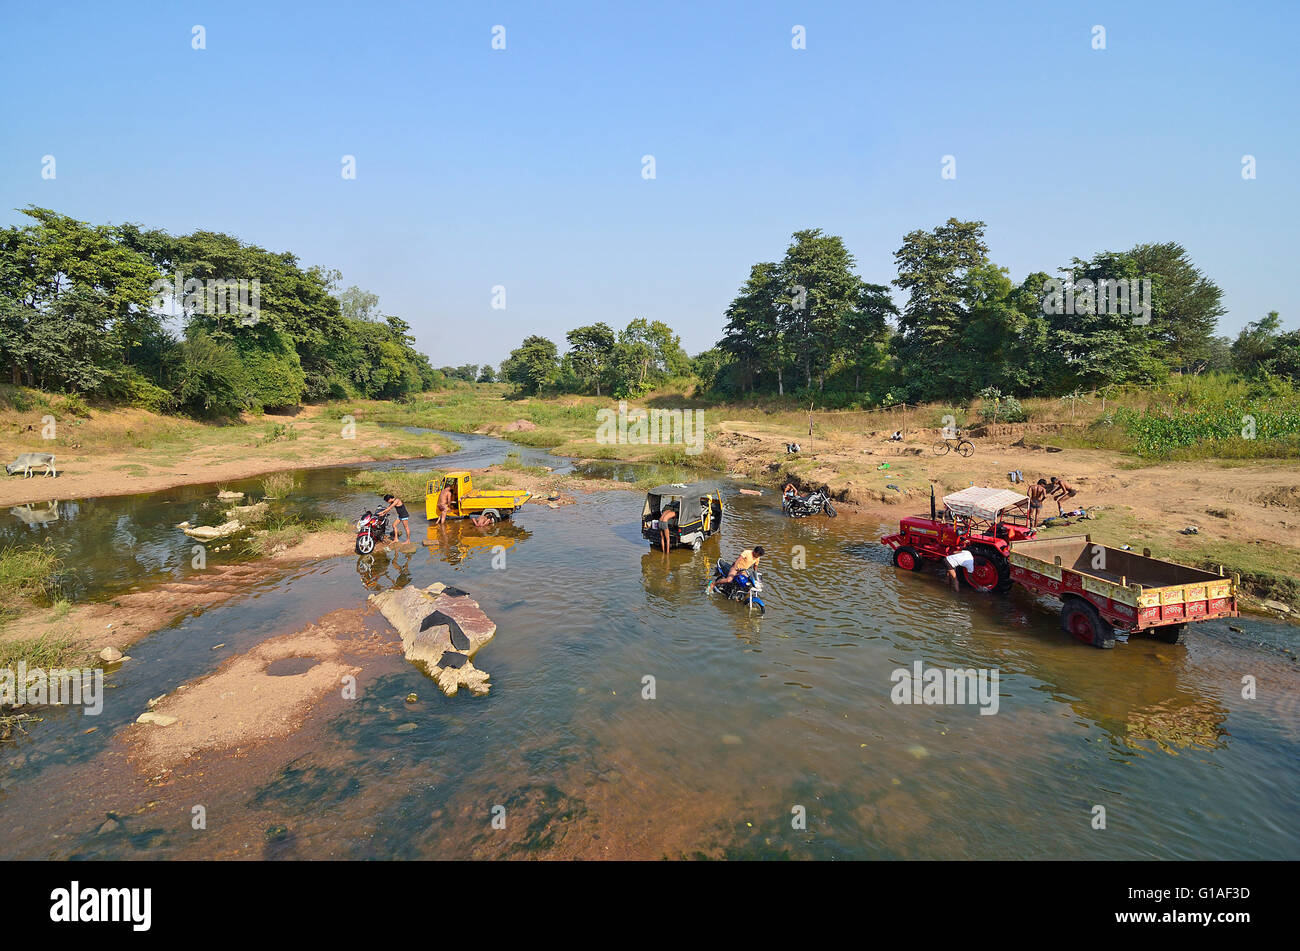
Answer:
(801, 506)
(371, 528)
(746, 586)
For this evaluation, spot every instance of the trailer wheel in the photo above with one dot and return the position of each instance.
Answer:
(1170, 633)
(907, 559)
(1084, 623)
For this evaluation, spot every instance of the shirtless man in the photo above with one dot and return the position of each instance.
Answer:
(1037, 493)
(444, 504)
(665, 523)
(1062, 491)
(745, 561)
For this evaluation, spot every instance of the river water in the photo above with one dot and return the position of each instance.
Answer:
(771, 736)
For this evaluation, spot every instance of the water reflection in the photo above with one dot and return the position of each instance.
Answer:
(36, 514)
(456, 540)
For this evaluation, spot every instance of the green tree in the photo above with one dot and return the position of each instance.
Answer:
(933, 269)
(531, 365)
(592, 354)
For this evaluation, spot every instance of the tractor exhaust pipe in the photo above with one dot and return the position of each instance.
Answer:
(932, 510)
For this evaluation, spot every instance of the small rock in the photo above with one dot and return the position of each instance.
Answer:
(406, 727)
(411, 698)
(157, 719)
(1277, 606)
(110, 655)
(112, 825)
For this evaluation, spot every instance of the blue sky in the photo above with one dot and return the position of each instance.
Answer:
(522, 167)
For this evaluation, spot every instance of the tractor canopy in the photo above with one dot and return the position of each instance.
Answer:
(981, 503)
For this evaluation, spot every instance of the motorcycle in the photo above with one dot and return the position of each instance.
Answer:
(746, 586)
(371, 528)
(801, 506)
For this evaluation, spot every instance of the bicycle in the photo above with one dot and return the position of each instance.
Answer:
(955, 443)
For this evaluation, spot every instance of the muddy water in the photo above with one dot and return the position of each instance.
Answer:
(754, 721)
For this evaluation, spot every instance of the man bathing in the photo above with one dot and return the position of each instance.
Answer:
(746, 561)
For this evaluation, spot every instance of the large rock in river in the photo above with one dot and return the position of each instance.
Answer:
(441, 628)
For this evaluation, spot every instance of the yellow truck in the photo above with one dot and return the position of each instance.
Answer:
(468, 503)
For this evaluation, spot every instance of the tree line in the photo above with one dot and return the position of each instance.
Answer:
(809, 325)
(84, 310)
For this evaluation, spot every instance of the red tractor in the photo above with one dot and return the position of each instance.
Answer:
(982, 521)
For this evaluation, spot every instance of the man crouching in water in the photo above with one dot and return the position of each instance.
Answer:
(746, 561)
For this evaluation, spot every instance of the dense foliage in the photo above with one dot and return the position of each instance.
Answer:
(125, 314)
(808, 326)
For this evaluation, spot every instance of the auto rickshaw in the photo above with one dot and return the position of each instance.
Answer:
(697, 514)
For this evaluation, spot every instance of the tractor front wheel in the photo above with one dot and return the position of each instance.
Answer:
(907, 559)
(1084, 623)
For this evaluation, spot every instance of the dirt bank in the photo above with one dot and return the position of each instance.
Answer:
(126, 618)
(124, 452)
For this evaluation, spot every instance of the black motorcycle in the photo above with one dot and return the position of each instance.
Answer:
(801, 506)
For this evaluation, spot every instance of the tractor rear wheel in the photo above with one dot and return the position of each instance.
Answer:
(907, 559)
(1084, 623)
(1170, 633)
(992, 571)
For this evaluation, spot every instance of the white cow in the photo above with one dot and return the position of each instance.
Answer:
(29, 460)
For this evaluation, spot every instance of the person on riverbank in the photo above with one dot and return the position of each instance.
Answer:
(1037, 493)
(402, 517)
(1061, 491)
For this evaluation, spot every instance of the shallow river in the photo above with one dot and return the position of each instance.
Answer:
(770, 736)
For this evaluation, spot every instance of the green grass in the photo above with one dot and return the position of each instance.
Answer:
(27, 575)
(46, 651)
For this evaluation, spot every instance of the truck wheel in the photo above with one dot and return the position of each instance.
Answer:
(1084, 623)
(492, 514)
(1170, 633)
(907, 559)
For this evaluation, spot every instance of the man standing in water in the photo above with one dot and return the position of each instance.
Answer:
(665, 523)
(444, 504)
